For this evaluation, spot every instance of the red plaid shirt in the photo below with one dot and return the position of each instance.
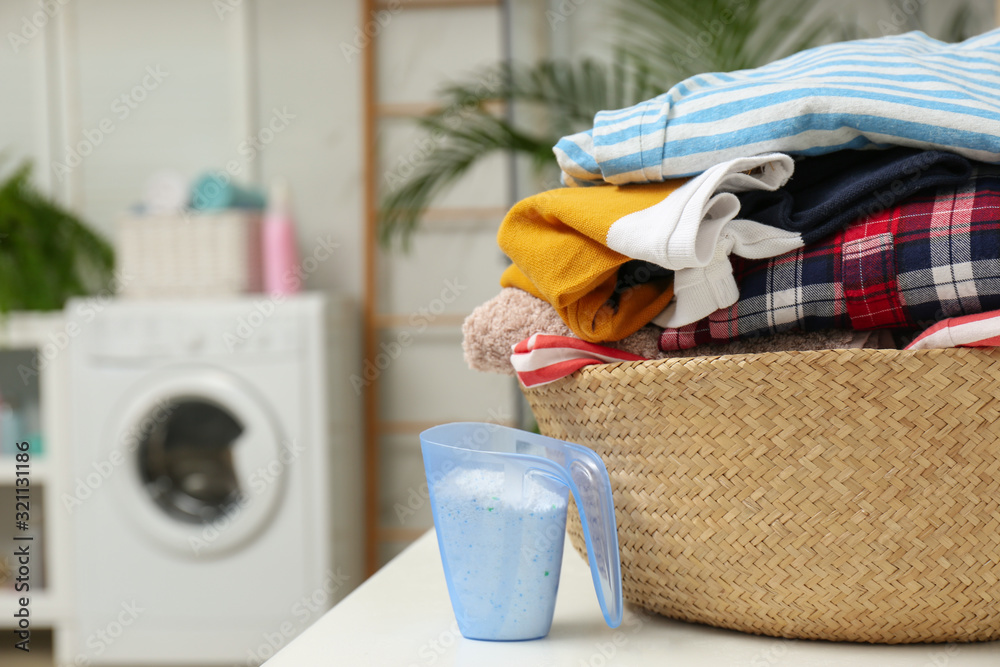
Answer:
(935, 255)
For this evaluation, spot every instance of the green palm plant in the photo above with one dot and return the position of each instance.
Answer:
(678, 39)
(659, 43)
(46, 253)
(467, 128)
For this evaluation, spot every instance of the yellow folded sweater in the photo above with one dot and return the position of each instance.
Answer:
(558, 243)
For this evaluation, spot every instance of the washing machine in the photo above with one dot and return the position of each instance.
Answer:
(207, 460)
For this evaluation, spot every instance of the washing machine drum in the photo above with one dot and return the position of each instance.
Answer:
(186, 460)
(205, 462)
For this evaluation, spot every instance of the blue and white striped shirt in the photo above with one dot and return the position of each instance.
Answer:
(908, 90)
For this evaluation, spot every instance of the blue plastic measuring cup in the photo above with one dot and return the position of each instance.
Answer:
(499, 497)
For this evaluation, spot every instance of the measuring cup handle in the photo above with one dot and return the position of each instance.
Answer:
(591, 488)
(583, 471)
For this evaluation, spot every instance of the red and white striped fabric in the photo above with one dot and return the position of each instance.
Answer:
(542, 358)
(979, 330)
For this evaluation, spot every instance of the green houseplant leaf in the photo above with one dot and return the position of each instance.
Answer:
(678, 38)
(564, 95)
(47, 254)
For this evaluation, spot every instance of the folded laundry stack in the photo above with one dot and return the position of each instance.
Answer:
(844, 190)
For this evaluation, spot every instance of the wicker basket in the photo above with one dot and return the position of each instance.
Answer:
(193, 255)
(845, 495)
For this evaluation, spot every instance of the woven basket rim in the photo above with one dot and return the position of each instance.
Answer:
(765, 357)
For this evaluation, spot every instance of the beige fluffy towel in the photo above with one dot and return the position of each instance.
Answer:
(508, 318)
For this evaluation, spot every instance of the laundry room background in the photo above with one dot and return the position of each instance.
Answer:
(103, 97)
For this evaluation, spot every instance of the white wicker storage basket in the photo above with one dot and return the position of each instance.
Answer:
(197, 254)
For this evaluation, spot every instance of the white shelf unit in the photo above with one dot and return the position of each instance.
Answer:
(45, 334)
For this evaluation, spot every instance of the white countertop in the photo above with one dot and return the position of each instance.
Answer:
(402, 616)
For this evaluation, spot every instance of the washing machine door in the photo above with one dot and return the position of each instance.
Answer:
(205, 461)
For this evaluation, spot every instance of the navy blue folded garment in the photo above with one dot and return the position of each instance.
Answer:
(828, 191)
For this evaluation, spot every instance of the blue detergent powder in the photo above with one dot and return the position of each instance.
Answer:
(503, 557)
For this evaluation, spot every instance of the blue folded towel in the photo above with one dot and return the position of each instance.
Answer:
(906, 90)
